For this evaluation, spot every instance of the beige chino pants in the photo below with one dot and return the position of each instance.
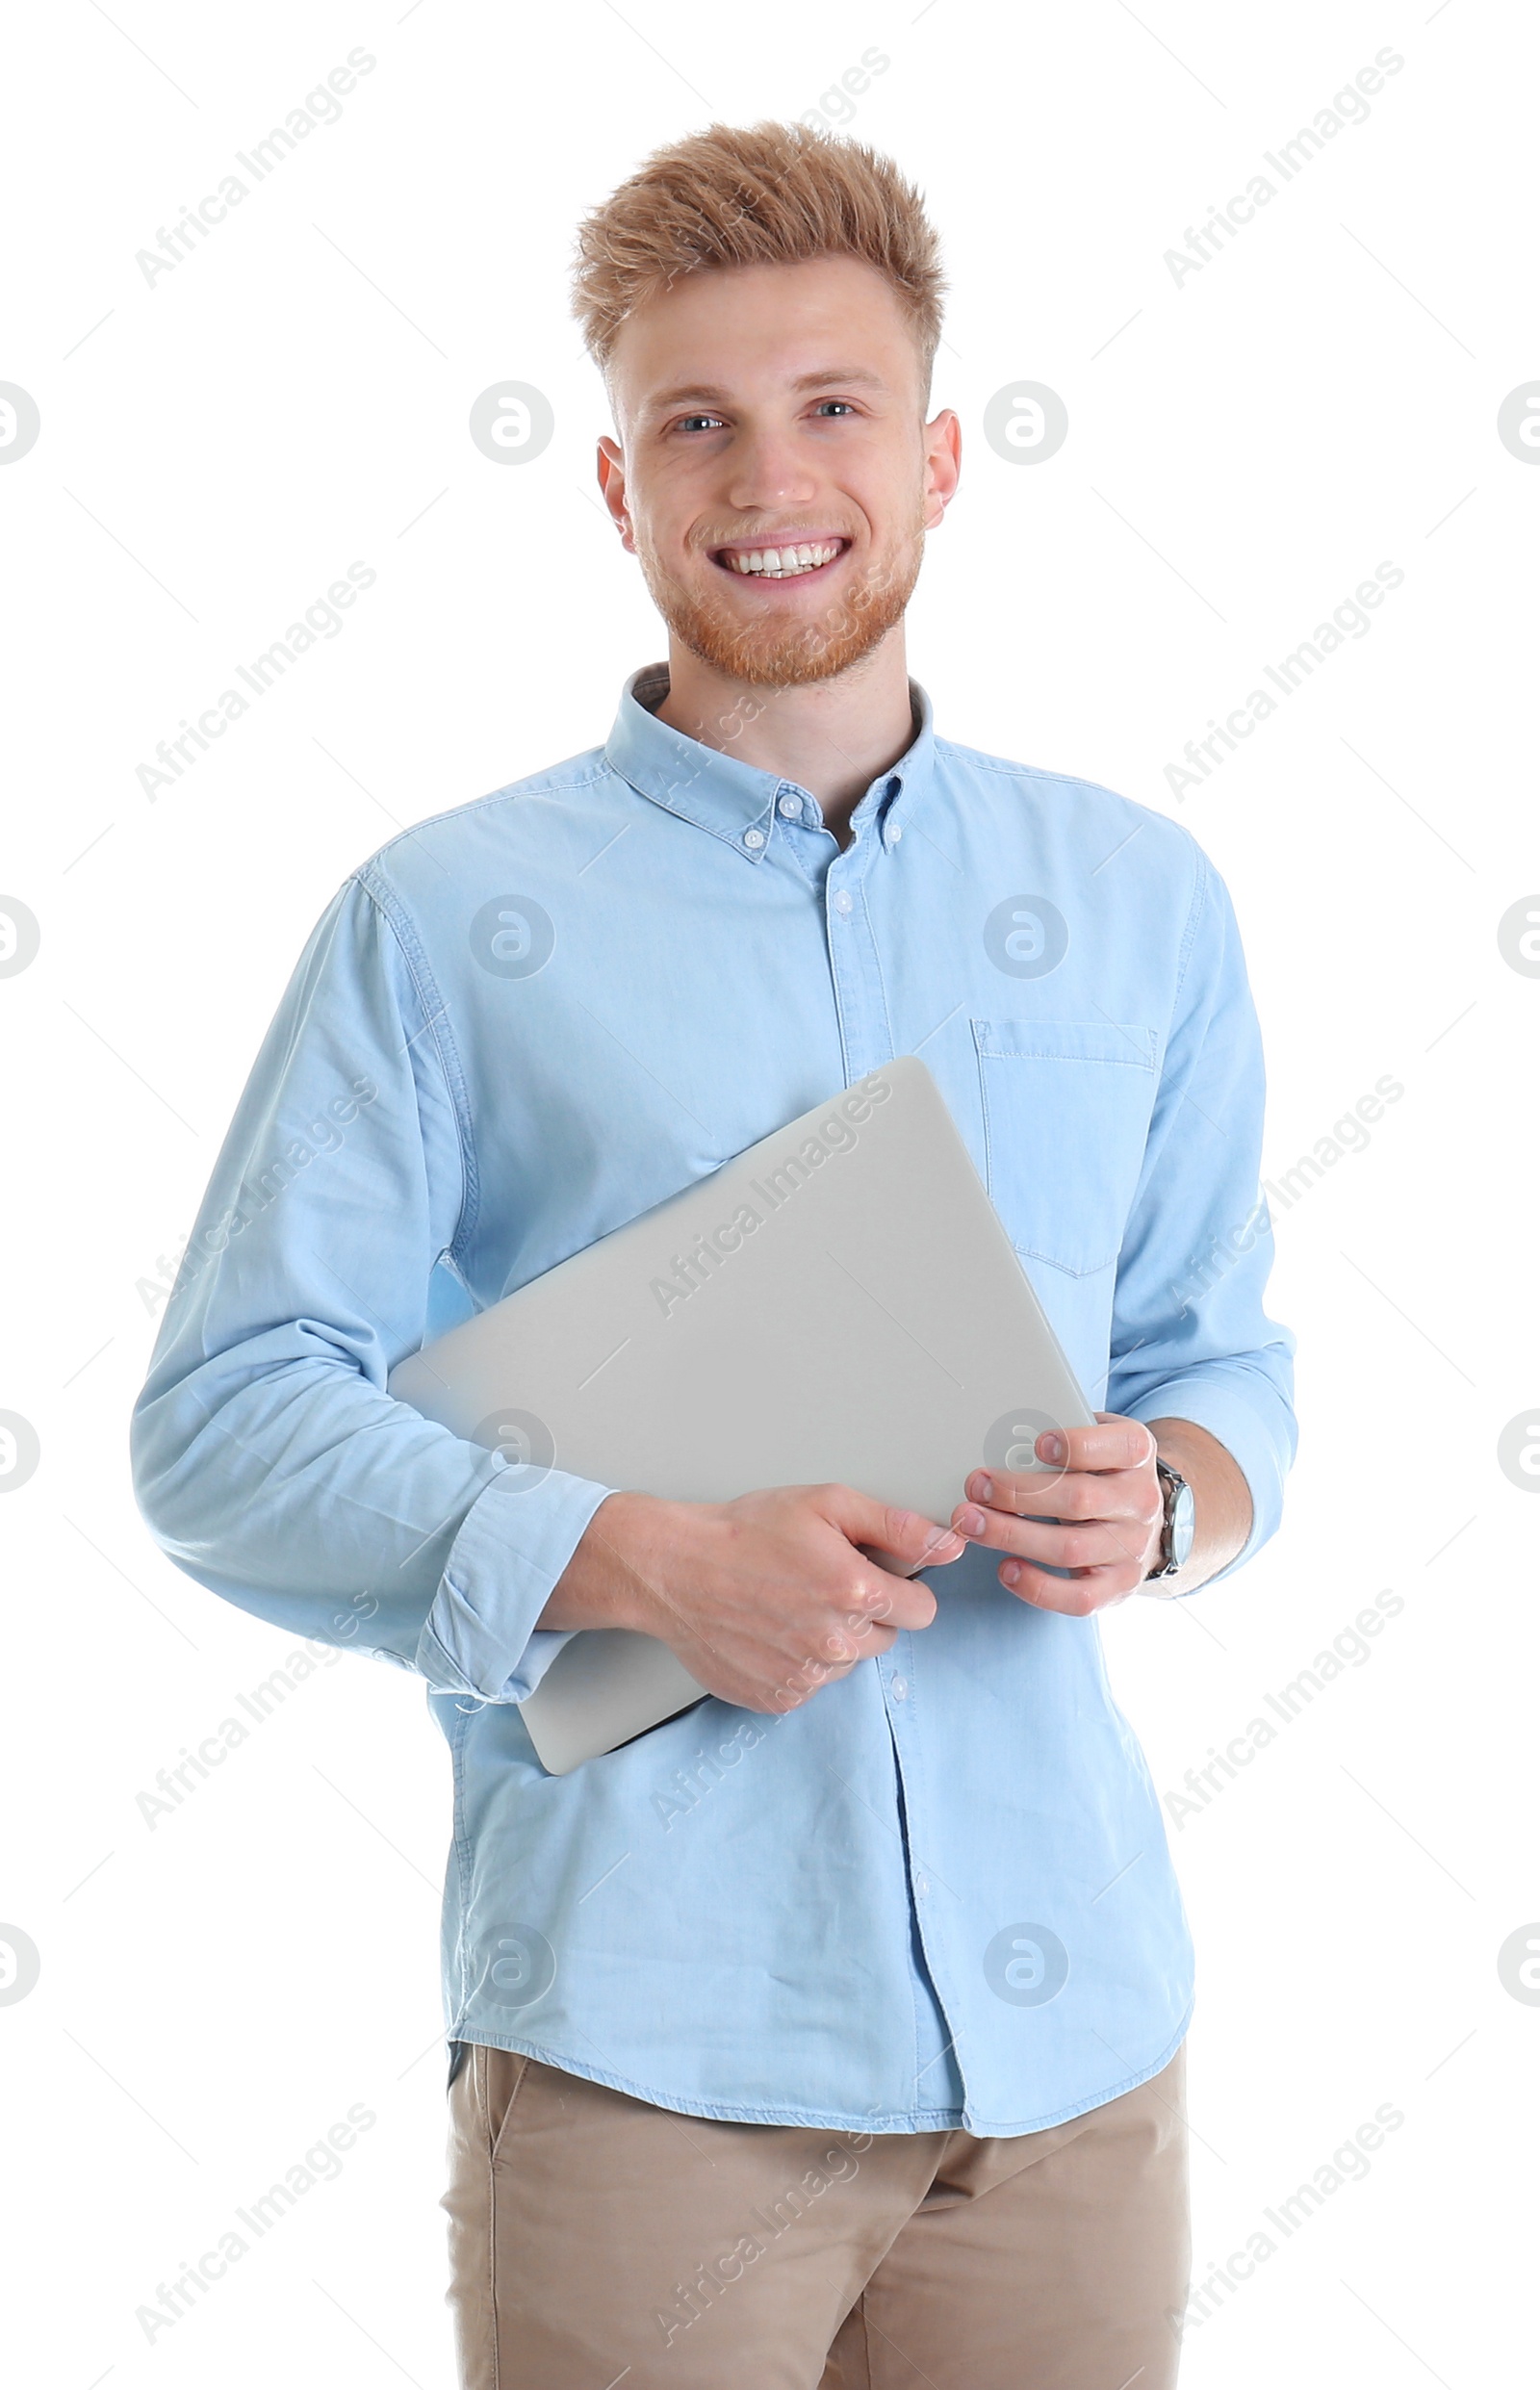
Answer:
(599, 2243)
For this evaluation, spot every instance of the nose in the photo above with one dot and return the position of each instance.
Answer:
(769, 472)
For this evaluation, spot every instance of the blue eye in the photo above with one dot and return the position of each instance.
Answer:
(687, 423)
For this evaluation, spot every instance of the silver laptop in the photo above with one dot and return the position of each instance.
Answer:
(840, 1302)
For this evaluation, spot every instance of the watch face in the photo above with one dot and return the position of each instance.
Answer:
(1184, 1524)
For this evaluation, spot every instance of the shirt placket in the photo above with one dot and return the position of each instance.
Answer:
(868, 1043)
(865, 1034)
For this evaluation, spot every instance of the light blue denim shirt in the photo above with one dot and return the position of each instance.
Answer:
(939, 1894)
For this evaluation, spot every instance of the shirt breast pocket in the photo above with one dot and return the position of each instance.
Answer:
(1067, 1111)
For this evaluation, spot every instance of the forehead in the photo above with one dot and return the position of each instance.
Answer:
(748, 333)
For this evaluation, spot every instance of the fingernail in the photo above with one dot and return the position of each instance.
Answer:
(1051, 1448)
(970, 1521)
(1010, 1572)
(986, 1487)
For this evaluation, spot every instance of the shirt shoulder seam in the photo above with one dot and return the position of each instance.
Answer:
(1202, 869)
(537, 784)
(435, 1017)
(977, 760)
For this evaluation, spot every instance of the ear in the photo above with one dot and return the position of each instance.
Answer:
(610, 467)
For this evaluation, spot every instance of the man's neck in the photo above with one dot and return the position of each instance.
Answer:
(832, 737)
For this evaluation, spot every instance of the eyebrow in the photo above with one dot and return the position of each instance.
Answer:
(710, 394)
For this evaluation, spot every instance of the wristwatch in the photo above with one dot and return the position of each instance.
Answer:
(1180, 1521)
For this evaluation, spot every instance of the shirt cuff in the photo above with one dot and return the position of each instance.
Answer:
(514, 1542)
(1261, 1450)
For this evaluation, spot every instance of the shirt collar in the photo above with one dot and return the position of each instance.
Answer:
(737, 801)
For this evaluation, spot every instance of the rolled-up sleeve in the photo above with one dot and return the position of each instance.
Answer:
(1190, 1337)
(269, 1461)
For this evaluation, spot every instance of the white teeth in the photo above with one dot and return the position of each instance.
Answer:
(776, 563)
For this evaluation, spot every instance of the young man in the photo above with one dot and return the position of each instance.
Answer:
(832, 2032)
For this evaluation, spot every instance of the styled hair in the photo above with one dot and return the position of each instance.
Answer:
(763, 193)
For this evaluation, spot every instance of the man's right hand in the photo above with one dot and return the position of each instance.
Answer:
(763, 1599)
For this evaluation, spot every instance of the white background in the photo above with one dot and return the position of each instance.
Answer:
(1244, 447)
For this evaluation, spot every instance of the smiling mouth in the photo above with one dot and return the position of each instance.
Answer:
(794, 561)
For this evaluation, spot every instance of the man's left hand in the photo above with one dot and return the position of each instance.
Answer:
(1099, 1513)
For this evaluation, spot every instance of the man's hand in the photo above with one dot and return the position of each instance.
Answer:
(1099, 1514)
(763, 1599)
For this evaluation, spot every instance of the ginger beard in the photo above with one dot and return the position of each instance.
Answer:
(762, 645)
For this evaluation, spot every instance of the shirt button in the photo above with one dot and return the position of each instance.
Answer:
(754, 837)
(922, 1885)
(895, 834)
(899, 1688)
(844, 902)
(790, 808)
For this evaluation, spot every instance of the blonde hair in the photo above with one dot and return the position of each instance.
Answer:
(764, 194)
